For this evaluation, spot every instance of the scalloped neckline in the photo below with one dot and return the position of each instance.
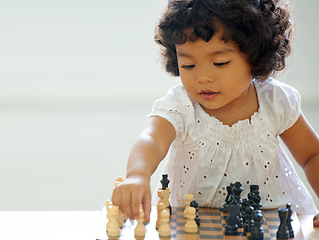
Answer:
(243, 121)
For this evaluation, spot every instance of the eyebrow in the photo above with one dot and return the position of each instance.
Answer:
(217, 52)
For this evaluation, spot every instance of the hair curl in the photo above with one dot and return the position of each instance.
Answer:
(261, 29)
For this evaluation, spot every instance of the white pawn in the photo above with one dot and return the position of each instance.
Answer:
(189, 197)
(160, 208)
(164, 229)
(108, 203)
(113, 227)
(139, 231)
(191, 226)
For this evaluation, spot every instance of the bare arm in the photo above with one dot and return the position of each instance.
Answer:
(148, 151)
(303, 143)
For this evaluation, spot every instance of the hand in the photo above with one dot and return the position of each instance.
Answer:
(316, 220)
(132, 192)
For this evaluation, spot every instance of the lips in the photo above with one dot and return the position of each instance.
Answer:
(208, 95)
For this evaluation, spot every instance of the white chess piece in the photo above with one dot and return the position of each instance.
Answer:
(139, 231)
(113, 228)
(189, 197)
(160, 208)
(191, 226)
(164, 229)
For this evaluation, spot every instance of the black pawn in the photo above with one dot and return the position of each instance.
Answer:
(289, 220)
(248, 219)
(257, 231)
(283, 232)
(165, 181)
(231, 227)
(194, 204)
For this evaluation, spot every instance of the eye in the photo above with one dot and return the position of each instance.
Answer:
(188, 66)
(221, 64)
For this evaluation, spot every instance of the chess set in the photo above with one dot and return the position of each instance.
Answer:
(238, 219)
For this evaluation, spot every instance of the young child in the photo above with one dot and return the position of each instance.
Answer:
(223, 123)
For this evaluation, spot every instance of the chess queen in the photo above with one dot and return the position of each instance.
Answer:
(223, 122)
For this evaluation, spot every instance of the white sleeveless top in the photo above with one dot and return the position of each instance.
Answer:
(206, 156)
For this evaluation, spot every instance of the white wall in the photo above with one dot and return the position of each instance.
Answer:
(77, 79)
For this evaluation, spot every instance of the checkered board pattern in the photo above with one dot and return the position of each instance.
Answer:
(211, 227)
(213, 222)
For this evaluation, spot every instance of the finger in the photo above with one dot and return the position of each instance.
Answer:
(136, 202)
(116, 197)
(126, 203)
(147, 205)
(316, 222)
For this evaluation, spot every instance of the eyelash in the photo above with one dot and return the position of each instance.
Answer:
(215, 64)
(221, 64)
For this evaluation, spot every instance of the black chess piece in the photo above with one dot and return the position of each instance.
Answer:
(283, 232)
(289, 220)
(257, 231)
(231, 227)
(237, 190)
(244, 205)
(194, 204)
(229, 197)
(197, 220)
(248, 218)
(165, 181)
(254, 197)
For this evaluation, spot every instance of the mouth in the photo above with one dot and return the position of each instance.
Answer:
(208, 94)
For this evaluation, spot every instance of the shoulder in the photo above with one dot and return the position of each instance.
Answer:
(177, 108)
(276, 92)
(281, 103)
(176, 92)
(176, 99)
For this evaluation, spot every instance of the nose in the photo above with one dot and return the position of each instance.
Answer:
(205, 74)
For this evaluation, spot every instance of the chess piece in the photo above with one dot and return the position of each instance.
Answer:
(108, 203)
(237, 190)
(243, 208)
(194, 204)
(160, 208)
(248, 219)
(118, 181)
(164, 229)
(231, 228)
(164, 198)
(139, 231)
(113, 228)
(165, 181)
(283, 232)
(229, 196)
(289, 220)
(189, 197)
(191, 226)
(257, 231)
(254, 197)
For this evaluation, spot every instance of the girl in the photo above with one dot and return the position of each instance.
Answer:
(223, 122)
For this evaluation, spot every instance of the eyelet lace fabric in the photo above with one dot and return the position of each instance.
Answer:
(207, 155)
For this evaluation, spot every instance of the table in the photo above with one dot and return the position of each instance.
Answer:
(47, 225)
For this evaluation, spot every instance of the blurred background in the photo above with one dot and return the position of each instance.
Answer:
(77, 79)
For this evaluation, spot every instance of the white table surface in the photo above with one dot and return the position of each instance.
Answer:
(47, 225)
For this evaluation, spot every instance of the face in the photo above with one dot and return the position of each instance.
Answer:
(215, 73)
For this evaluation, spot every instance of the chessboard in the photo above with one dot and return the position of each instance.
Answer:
(211, 226)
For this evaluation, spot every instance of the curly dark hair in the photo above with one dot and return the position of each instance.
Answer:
(261, 29)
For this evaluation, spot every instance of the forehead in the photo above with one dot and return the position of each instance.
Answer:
(215, 45)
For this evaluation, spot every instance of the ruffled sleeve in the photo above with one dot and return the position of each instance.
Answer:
(177, 108)
(283, 105)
